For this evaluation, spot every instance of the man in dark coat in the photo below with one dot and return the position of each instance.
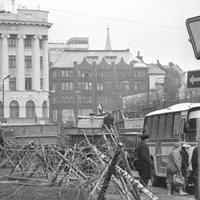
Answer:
(185, 158)
(109, 120)
(144, 162)
(195, 170)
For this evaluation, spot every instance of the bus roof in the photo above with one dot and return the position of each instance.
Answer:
(175, 108)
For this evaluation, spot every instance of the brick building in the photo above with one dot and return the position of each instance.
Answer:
(83, 79)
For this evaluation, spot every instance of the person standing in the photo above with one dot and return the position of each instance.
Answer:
(174, 167)
(108, 120)
(194, 162)
(185, 161)
(144, 162)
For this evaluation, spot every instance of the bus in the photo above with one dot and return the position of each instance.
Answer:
(177, 123)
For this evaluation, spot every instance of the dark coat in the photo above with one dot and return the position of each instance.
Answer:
(108, 120)
(185, 162)
(194, 162)
(144, 158)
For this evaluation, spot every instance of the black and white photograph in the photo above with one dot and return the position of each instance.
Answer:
(100, 100)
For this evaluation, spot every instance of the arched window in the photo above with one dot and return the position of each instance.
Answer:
(1, 109)
(44, 109)
(14, 109)
(30, 109)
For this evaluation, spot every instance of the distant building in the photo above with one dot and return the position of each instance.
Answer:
(74, 43)
(24, 55)
(83, 79)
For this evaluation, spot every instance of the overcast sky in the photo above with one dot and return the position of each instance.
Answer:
(156, 28)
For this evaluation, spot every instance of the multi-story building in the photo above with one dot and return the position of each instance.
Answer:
(24, 70)
(84, 79)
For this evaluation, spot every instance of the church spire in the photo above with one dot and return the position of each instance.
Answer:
(108, 43)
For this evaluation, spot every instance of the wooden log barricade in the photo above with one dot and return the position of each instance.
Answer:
(84, 165)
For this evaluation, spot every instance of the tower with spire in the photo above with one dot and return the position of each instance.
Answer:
(108, 43)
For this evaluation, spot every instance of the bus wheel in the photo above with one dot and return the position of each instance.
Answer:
(155, 180)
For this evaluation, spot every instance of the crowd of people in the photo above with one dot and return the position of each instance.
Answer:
(178, 164)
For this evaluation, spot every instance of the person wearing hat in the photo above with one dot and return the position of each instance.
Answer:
(144, 162)
(174, 167)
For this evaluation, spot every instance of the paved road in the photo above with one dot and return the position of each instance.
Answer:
(161, 193)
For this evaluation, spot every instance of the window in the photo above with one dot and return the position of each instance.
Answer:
(99, 86)
(67, 85)
(177, 124)
(85, 99)
(28, 83)
(44, 109)
(139, 74)
(14, 109)
(54, 86)
(28, 41)
(139, 85)
(169, 125)
(54, 99)
(28, 62)
(67, 99)
(41, 83)
(161, 126)
(68, 116)
(85, 73)
(55, 115)
(12, 41)
(12, 61)
(85, 85)
(54, 73)
(99, 73)
(41, 62)
(148, 124)
(154, 130)
(30, 109)
(67, 73)
(12, 83)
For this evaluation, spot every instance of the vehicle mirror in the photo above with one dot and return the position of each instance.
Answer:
(193, 27)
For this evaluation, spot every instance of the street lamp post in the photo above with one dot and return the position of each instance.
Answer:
(6, 77)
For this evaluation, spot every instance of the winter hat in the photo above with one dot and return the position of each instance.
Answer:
(185, 145)
(177, 145)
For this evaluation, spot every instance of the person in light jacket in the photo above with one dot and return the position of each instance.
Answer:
(174, 167)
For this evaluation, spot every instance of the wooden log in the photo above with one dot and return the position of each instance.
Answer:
(111, 171)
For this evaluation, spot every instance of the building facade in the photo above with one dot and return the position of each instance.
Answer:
(85, 79)
(24, 69)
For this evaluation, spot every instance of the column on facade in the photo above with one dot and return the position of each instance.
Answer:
(20, 79)
(36, 63)
(45, 64)
(4, 61)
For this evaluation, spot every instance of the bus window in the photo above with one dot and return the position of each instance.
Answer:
(191, 135)
(169, 124)
(147, 126)
(177, 124)
(194, 125)
(182, 135)
(161, 126)
(154, 129)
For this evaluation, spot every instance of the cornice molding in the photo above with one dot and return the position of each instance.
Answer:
(26, 23)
